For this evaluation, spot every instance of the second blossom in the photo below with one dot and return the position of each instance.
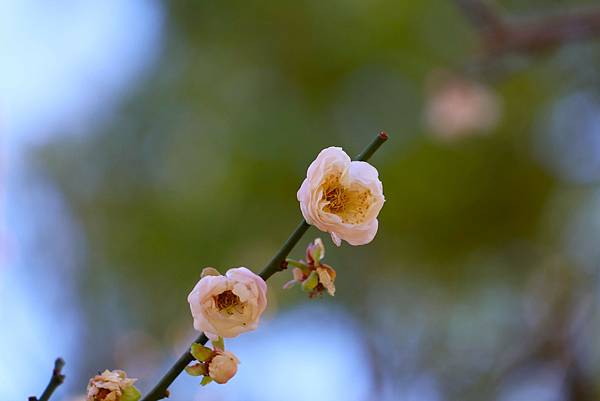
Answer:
(228, 305)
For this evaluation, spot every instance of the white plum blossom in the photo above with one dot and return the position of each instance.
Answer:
(226, 306)
(342, 197)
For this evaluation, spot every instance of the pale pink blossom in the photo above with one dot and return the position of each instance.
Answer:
(229, 305)
(223, 366)
(342, 197)
(112, 386)
(459, 107)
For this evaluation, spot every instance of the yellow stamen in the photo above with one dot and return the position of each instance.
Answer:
(349, 203)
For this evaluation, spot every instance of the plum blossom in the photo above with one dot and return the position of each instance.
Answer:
(112, 386)
(226, 306)
(342, 197)
(458, 107)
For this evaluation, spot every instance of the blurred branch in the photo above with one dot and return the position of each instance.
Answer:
(544, 33)
(500, 35)
(276, 264)
(480, 14)
(56, 380)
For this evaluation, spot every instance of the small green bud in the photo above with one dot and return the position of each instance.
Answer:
(311, 282)
(206, 380)
(209, 271)
(200, 352)
(219, 343)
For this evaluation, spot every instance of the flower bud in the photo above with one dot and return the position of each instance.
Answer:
(223, 367)
(314, 276)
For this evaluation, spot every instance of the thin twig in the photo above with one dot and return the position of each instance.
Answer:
(276, 264)
(56, 380)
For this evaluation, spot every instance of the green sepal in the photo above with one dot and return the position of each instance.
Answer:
(218, 343)
(206, 380)
(311, 282)
(209, 271)
(318, 251)
(200, 352)
(296, 263)
(130, 394)
(197, 369)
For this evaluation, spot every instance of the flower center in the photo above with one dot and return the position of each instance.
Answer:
(102, 394)
(349, 203)
(229, 302)
(336, 198)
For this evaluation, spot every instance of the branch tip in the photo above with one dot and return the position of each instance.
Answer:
(56, 380)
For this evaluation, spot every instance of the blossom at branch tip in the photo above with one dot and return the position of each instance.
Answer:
(226, 306)
(213, 364)
(112, 386)
(342, 197)
(313, 276)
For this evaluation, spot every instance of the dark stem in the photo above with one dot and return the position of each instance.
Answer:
(56, 380)
(373, 146)
(160, 390)
(276, 264)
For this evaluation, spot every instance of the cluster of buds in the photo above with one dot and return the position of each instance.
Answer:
(213, 364)
(313, 276)
(112, 386)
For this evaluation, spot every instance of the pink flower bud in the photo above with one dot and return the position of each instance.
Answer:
(223, 367)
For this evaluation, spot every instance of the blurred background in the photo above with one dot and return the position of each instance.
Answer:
(143, 140)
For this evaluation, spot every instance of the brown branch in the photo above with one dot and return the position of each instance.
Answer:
(544, 33)
(480, 14)
(56, 380)
(500, 35)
